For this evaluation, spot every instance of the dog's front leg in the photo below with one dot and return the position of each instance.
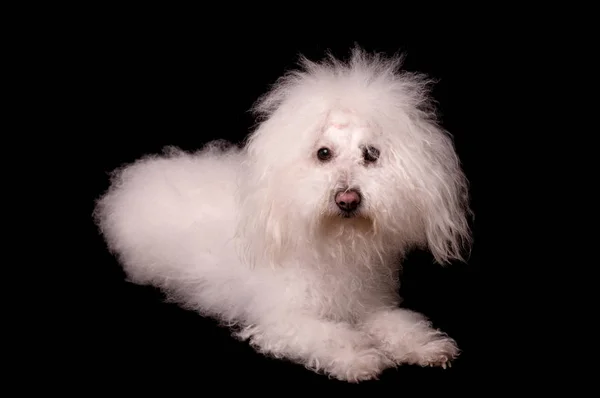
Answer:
(408, 338)
(334, 348)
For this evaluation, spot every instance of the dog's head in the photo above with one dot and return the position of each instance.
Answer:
(351, 150)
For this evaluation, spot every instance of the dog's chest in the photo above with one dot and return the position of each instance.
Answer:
(341, 296)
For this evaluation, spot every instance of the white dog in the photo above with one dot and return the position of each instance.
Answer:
(295, 240)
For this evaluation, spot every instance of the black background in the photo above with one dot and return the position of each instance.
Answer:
(146, 80)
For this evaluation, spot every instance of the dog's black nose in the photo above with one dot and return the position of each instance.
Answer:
(348, 200)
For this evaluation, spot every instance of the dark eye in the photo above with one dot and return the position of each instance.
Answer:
(324, 154)
(370, 154)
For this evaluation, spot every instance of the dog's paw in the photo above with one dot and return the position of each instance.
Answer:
(437, 352)
(357, 366)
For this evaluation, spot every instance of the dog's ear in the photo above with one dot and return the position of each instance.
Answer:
(441, 191)
(265, 222)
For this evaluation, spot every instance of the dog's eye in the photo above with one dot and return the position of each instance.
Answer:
(370, 154)
(324, 154)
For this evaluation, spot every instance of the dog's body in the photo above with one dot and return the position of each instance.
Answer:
(296, 239)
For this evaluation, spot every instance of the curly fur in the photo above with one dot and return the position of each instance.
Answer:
(252, 236)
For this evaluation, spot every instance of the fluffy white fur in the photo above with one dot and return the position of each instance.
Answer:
(253, 236)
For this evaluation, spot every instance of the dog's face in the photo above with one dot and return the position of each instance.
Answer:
(344, 173)
(340, 176)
